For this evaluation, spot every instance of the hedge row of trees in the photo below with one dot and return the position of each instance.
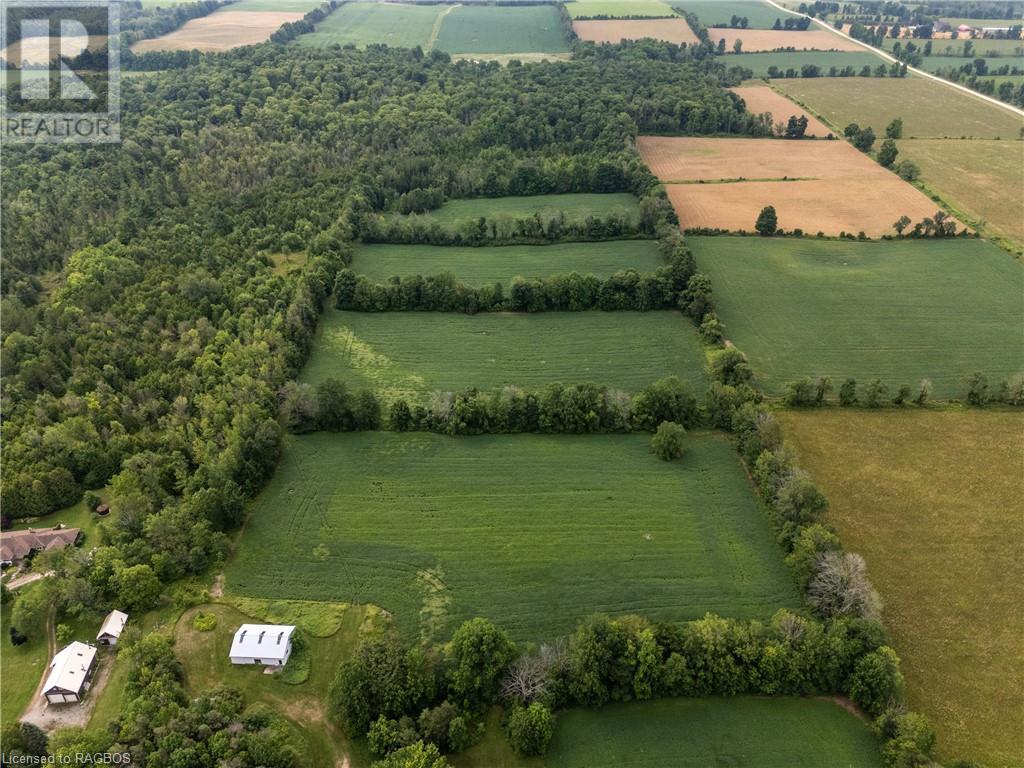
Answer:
(812, 393)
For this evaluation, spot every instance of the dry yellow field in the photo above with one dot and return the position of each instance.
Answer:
(36, 50)
(932, 500)
(770, 40)
(760, 99)
(616, 30)
(220, 31)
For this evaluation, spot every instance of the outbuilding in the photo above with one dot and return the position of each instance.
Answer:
(70, 674)
(267, 644)
(110, 630)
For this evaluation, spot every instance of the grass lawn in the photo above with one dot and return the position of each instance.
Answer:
(479, 266)
(742, 732)
(75, 516)
(532, 531)
(928, 109)
(982, 178)
(21, 667)
(576, 207)
(898, 311)
(711, 12)
(619, 8)
(932, 501)
(942, 63)
(493, 750)
(505, 29)
(399, 26)
(760, 63)
(412, 354)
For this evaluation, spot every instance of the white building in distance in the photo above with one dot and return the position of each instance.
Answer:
(70, 674)
(110, 630)
(268, 644)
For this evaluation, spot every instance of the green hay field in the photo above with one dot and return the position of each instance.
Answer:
(977, 177)
(411, 354)
(533, 531)
(712, 12)
(619, 8)
(928, 109)
(743, 732)
(576, 207)
(898, 311)
(478, 266)
(932, 502)
(493, 29)
(361, 24)
(760, 63)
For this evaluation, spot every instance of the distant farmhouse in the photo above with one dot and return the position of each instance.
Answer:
(70, 674)
(110, 630)
(15, 546)
(269, 644)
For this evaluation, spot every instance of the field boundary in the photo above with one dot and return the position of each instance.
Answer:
(435, 31)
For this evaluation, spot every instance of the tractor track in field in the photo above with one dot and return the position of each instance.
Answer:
(436, 31)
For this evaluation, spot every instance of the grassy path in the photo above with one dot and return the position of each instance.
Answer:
(436, 31)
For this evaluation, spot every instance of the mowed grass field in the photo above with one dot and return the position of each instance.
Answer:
(742, 732)
(532, 531)
(479, 266)
(933, 502)
(760, 63)
(898, 311)
(412, 354)
(502, 29)
(362, 24)
(928, 109)
(616, 8)
(982, 178)
(711, 12)
(576, 207)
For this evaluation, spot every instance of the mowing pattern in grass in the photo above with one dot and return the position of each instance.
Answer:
(491, 29)
(411, 354)
(534, 532)
(576, 207)
(928, 109)
(742, 732)
(619, 8)
(710, 12)
(760, 63)
(898, 311)
(478, 266)
(932, 501)
(361, 24)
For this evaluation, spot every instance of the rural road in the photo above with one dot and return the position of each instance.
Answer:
(915, 70)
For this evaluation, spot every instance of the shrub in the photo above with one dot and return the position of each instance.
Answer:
(908, 170)
(204, 622)
(876, 681)
(907, 739)
(418, 755)
(478, 657)
(63, 634)
(840, 587)
(848, 392)
(731, 367)
(977, 390)
(387, 735)
(668, 442)
(530, 729)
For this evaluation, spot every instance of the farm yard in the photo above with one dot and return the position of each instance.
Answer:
(929, 109)
(614, 31)
(534, 532)
(480, 266)
(896, 311)
(754, 40)
(760, 99)
(719, 13)
(220, 31)
(929, 499)
(411, 354)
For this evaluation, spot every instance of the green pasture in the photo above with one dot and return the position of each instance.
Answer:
(575, 206)
(502, 29)
(619, 8)
(760, 63)
(411, 354)
(362, 24)
(720, 12)
(479, 266)
(742, 732)
(532, 531)
(896, 311)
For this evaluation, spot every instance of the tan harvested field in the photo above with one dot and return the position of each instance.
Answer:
(760, 99)
(220, 31)
(36, 50)
(771, 40)
(615, 30)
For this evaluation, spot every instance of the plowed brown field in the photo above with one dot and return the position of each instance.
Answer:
(761, 98)
(615, 30)
(219, 31)
(771, 40)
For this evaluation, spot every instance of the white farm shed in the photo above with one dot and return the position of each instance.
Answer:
(110, 630)
(70, 674)
(268, 644)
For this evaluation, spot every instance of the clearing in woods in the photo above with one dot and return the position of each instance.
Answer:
(502, 30)
(616, 30)
(720, 12)
(897, 311)
(534, 532)
(614, 8)
(928, 109)
(479, 266)
(760, 99)
(412, 354)
(932, 502)
(576, 207)
(980, 177)
(769, 40)
(220, 31)
(760, 64)
(741, 732)
(362, 24)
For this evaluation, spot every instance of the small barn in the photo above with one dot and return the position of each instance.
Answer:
(70, 674)
(110, 630)
(267, 644)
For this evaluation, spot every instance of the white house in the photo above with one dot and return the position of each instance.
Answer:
(269, 644)
(70, 674)
(110, 630)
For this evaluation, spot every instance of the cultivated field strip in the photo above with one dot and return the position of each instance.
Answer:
(616, 30)
(534, 532)
(768, 40)
(760, 99)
